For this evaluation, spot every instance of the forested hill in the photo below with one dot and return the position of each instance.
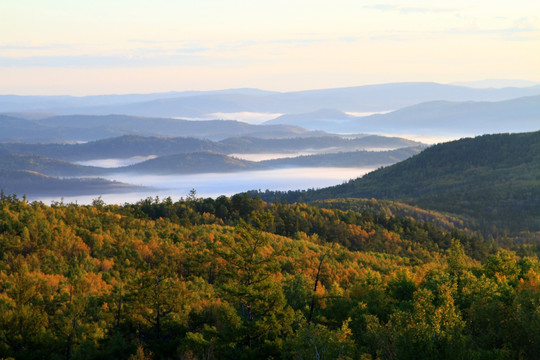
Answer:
(36, 184)
(490, 179)
(236, 278)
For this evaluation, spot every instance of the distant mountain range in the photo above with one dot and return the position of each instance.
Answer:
(326, 144)
(211, 162)
(203, 162)
(47, 166)
(46, 134)
(369, 98)
(24, 182)
(496, 83)
(435, 117)
(21, 103)
(191, 163)
(345, 159)
(322, 119)
(460, 118)
(38, 169)
(89, 127)
(131, 145)
(490, 179)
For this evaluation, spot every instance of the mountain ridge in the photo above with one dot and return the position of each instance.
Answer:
(365, 98)
(489, 179)
(69, 128)
(464, 118)
(134, 145)
(27, 182)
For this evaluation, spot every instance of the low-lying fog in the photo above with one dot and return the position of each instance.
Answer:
(254, 118)
(430, 139)
(267, 156)
(114, 163)
(214, 185)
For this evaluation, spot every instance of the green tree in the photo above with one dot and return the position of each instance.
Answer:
(251, 264)
(316, 341)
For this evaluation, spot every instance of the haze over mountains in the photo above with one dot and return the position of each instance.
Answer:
(25, 182)
(130, 145)
(59, 136)
(407, 108)
(369, 98)
(434, 117)
(28, 160)
(43, 151)
(496, 83)
(89, 127)
(291, 212)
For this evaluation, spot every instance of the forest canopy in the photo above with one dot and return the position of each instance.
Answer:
(240, 278)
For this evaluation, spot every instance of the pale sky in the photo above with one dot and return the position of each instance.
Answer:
(82, 47)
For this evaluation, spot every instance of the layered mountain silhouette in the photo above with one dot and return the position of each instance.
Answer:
(368, 98)
(435, 117)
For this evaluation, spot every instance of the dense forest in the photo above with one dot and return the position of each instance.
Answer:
(239, 278)
(489, 180)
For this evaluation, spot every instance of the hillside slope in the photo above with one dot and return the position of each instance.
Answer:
(24, 182)
(46, 166)
(201, 162)
(132, 145)
(172, 280)
(491, 180)
(69, 128)
(346, 159)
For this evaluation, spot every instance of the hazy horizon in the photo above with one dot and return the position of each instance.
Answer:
(99, 47)
(82, 48)
(256, 117)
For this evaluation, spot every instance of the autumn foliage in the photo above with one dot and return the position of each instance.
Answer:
(237, 278)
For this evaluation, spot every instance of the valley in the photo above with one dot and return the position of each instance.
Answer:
(143, 235)
(279, 180)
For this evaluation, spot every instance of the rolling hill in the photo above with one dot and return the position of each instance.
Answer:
(119, 147)
(489, 180)
(328, 144)
(202, 162)
(430, 118)
(132, 145)
(345, 159)
(19, 129)
(70, 128)
(24, 182)
(70, 104)
(135, 125)
(206, 162)
(46, 166)
(191, 163)
(320, 120)
(392, 208)
(462, 118)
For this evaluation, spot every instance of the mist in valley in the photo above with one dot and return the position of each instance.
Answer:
(216, 184)
(115, 162)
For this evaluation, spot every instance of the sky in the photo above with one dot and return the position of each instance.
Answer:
(86, 47)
